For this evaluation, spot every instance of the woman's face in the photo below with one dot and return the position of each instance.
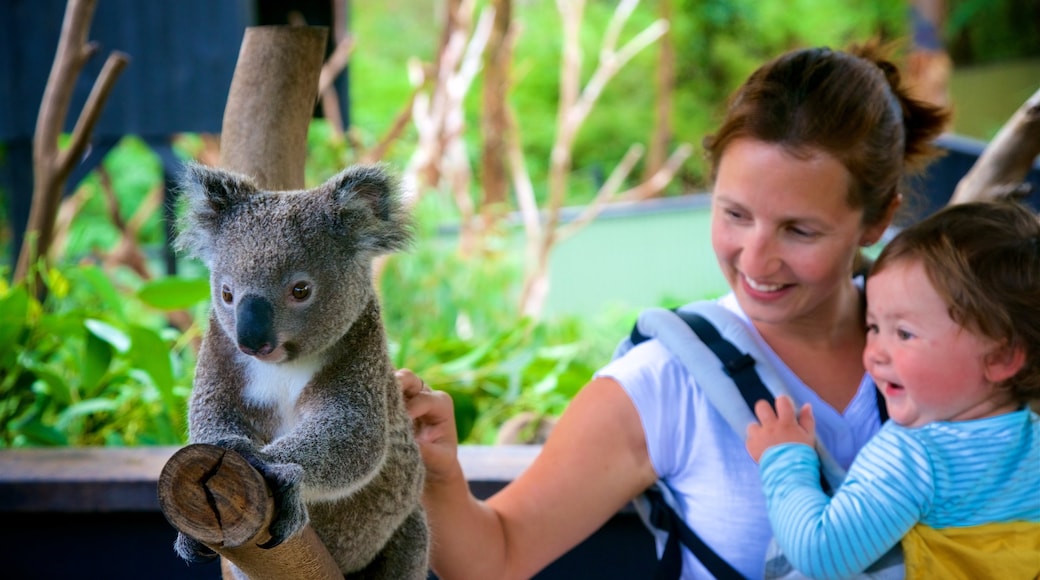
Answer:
(782, 231)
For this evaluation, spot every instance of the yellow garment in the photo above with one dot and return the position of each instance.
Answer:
(1003, 551)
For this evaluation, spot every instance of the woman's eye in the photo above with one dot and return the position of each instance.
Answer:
(301, 290)
(802, 233)
(226, 295)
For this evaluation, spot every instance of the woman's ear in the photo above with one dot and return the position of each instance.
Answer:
(1003, 363)
(874, 232)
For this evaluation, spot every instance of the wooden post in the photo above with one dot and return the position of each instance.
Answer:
(206, 492)
(215, 496)
(270, 104)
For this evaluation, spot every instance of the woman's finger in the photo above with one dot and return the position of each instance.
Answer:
(411, 384)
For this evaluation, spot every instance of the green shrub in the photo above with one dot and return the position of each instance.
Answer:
(93, 363)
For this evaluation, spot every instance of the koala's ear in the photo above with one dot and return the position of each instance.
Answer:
(206, 195)
(219, 189)
(367, 201)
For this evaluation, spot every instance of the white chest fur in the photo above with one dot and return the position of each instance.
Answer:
(278, 386)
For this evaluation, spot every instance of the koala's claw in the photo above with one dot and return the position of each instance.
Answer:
(290, 514)
(192, 550)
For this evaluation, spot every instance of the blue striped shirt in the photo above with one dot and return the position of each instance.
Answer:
(942, 475)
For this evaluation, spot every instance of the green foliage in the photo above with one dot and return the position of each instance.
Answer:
(454, 321)
(135, 171)
(982, 31)
(91, 364)
(96, 362)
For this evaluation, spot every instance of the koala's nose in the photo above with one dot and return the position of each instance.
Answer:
(254, 322)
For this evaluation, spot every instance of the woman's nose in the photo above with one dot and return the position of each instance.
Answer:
(760, 257)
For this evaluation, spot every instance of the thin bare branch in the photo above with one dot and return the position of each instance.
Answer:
(335, 64)
(51, 167)
(88, 117)
(661, 178)
(394, 132)
(525, 198)
(606, 192)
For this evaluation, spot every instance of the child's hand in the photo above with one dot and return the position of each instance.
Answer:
(780, 427)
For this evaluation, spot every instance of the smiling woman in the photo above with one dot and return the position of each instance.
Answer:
(807, 165)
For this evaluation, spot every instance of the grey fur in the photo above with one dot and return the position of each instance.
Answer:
(342, 454)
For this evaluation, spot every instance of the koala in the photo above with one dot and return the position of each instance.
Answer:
(293, 371)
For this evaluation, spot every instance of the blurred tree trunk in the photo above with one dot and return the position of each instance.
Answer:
(495, 118)
(661, 134)
(270, 104)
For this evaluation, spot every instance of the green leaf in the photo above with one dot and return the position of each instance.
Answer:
(84, 408)
(54, 385)
(150, 353)
(108, 333)
(39, 434)
(14, 311)
(174, 293)
(465, 413)
(97, 356)
(101, 287)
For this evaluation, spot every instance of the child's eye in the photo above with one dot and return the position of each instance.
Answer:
(872, 329)
(904, 334)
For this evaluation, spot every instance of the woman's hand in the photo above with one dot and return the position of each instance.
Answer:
(780, 427)
(434, 417)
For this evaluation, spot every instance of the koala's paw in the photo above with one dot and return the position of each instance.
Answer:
(290, 514)
(192, 550)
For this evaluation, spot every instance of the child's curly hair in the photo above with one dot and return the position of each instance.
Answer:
(984, 260)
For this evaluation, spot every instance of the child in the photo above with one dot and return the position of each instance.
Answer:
(953, 343)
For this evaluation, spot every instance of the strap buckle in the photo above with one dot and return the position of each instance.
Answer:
(738, 364)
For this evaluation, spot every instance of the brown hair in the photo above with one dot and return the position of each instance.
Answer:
(983, 258)
(850, 105)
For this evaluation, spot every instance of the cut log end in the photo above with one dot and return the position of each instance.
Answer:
(215, 496)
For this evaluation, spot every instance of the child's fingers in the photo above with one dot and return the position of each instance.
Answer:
(753, 430)
(764, 412)
(806, 419)
(785, 409)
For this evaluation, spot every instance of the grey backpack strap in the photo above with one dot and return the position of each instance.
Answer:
(716, 348)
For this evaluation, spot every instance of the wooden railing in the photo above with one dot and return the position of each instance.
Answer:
(71, 512)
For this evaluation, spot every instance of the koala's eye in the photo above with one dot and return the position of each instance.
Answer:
(226, 295)
(301, 290)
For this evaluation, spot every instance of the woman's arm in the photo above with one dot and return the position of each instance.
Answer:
(593, 463)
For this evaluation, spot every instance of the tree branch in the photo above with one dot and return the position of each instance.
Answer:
(51, 168)
(1003, 165)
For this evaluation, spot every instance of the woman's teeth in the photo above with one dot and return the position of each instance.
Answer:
(762, 287)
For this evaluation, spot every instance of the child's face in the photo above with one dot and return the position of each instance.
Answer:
(927, 366)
